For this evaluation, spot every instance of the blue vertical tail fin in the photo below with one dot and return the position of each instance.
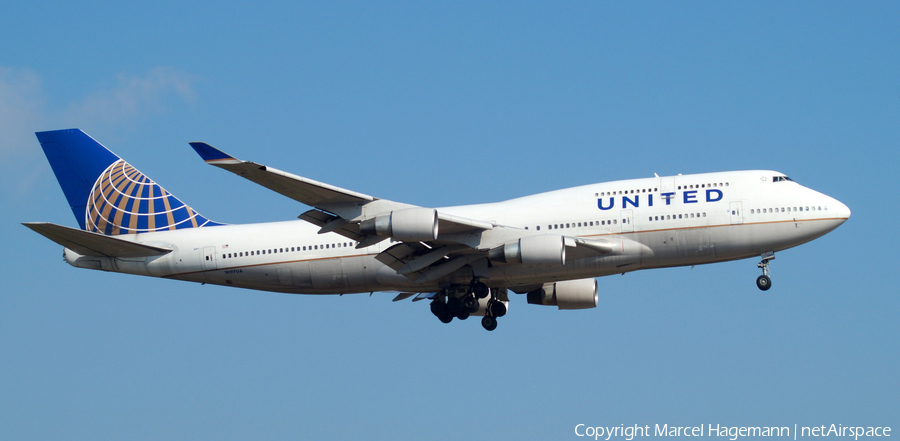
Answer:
(108, 195)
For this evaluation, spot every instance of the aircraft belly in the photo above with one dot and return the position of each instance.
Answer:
(748, 240)
(327, 273)
(517, 274)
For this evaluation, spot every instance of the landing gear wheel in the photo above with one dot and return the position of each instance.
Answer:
(763, 282)
(480, 290)
(498, 309)
(454, 305)
(446, 317)
(464, 314)
(471, 304)
(438, 308)
(489, 323)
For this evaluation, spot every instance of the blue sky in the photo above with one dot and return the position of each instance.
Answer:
(440, 104)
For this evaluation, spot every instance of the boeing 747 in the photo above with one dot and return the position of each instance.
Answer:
(465, 260)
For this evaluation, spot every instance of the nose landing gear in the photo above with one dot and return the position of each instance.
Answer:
(764, 282)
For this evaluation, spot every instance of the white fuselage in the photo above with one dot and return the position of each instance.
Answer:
(653, 222)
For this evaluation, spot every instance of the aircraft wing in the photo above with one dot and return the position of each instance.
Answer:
(87, 243)
(298, 188)
(336, 209)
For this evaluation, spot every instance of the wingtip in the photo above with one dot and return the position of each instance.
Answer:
(209, 153)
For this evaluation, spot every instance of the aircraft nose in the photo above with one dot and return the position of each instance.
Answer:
(842, 211)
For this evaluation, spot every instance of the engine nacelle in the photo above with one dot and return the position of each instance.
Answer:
(569, 294)
(408, 225)
(532, 250)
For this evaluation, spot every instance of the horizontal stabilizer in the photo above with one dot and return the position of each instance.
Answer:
(93, 244)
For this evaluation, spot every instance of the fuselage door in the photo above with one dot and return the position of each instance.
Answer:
(667, 184)
(627, 221)
(209, 258)
(737, 215)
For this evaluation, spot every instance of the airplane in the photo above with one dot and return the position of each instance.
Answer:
(465, 260)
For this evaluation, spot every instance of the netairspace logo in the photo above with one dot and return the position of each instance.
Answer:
(732, 433)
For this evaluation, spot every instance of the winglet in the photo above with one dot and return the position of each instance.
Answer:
(213, 155)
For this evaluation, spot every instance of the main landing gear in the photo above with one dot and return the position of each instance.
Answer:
(461, 301)
(495, 308)
(446, 310)
(764, 282)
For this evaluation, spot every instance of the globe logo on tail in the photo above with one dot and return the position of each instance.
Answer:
(124, 201)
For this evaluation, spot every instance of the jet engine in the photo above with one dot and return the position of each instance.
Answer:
(532, 250)
(407, 225)
(569, 294)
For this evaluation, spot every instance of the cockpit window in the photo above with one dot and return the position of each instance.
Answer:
(781, 178)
